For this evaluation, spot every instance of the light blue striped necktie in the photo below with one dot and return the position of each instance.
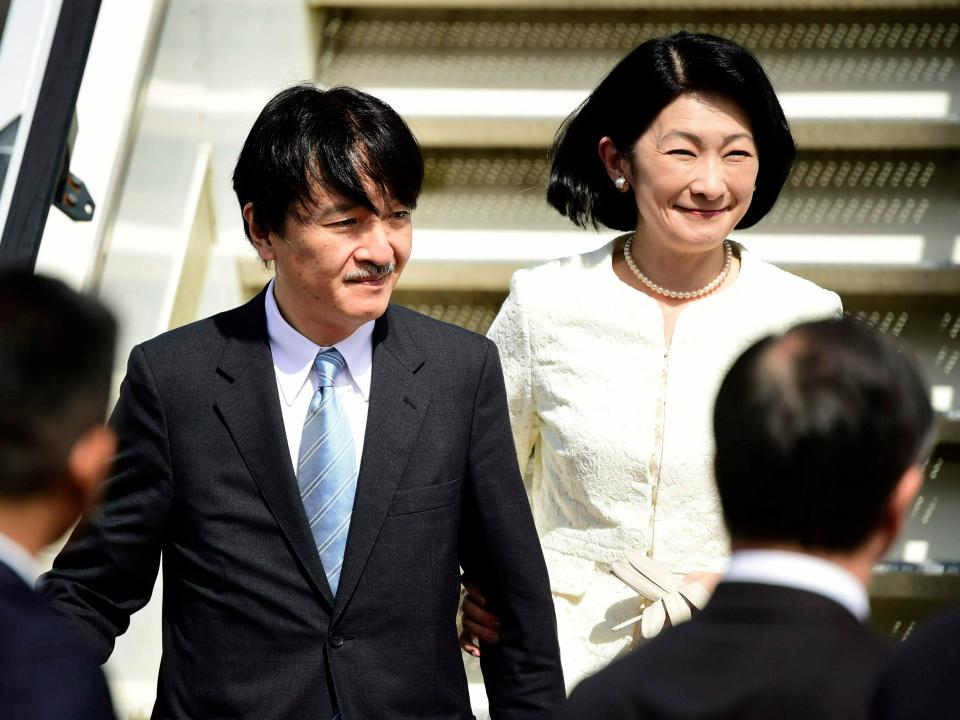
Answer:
(327, 471)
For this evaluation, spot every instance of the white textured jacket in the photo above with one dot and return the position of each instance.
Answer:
(614, 428)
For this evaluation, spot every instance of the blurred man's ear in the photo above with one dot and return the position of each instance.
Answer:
(89, 462)
(900, 502)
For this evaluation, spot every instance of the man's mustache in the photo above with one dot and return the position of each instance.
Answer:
(370, 271)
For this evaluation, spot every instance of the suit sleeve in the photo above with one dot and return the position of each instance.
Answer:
(107, 569)
(51, 681)
(597, 698)
(501, 552)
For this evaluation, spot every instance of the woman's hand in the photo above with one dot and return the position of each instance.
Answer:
(478, 624)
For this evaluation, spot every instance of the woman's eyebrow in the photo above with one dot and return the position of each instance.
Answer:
(698, 141)
(692, 137)
(737, 136)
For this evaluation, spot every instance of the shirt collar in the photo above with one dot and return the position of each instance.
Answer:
(293, 354)
(801, 571)
(16, 557)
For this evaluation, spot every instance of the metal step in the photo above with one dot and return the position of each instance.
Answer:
(921, 573)
(857, 222)
(892, 209)
(481, 77)
(649, 4)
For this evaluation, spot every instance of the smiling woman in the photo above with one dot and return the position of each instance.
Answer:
(613, 358)
(696, 162)
(693, 172)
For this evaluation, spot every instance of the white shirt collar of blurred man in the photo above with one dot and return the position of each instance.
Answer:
(802, 572)
(16, 557)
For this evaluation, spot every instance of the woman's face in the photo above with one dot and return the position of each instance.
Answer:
(693, 173)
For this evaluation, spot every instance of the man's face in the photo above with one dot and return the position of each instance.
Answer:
(337, 266)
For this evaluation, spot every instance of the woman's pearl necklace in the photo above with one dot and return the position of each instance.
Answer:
(680, 294)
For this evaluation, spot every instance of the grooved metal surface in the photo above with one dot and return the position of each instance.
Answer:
(930, 326)
(830, 49)
(921, 574)
(841, 192)
(780, 5)
(474, 311)
(929, 537)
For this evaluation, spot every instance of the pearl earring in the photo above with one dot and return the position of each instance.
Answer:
(621, 184)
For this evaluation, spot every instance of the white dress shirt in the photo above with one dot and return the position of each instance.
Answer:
(16, 557)
(803, 572)
(293, 357)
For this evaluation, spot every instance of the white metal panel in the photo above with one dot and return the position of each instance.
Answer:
(24, 50)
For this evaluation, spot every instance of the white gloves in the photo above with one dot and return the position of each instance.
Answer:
(671, 598)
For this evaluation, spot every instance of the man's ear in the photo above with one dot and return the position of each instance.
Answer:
(614, 163)
(89, 462)
(901, 500)
(258, 235)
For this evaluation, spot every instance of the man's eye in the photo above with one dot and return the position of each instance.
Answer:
(346, 222)
(401, 214)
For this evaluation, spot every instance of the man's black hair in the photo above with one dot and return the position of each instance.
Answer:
(334, 139)
(814, 430)
(56, 354)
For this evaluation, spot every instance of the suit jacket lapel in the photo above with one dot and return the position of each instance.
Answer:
(249, 405)
(398, 402)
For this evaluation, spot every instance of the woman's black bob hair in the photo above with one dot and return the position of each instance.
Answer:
(622, 107)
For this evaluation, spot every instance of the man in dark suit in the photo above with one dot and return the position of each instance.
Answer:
(317, 465)
(921, 680)
(56, 351)
(820, 435)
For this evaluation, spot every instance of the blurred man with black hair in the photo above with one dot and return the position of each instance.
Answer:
(317, 465)
(820, 439)
(56, 351)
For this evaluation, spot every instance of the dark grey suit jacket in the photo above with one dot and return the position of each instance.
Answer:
(756, 652)
(46, 673)
(250, 629)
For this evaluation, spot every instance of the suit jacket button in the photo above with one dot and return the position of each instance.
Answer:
(336, 639)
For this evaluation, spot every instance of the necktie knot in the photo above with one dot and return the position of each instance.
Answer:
(328, 363)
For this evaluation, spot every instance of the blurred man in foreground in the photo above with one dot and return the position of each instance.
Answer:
(820, 436)
(56, 349)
